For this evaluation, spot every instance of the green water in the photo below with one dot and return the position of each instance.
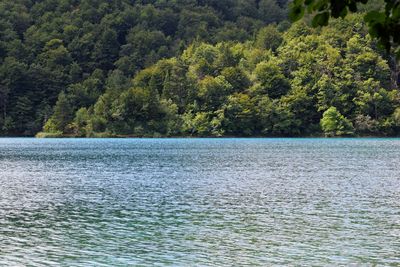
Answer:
(199, 202)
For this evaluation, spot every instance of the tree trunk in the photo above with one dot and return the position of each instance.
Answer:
(394, 72)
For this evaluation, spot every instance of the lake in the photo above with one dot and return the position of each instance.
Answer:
(199, 202)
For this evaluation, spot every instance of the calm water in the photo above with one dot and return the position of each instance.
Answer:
(199, 202)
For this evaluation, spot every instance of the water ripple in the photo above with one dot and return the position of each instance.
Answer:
(199, 202)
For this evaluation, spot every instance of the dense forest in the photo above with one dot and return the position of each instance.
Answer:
(189, 68)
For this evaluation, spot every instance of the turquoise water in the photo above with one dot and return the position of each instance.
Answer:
(199, 202)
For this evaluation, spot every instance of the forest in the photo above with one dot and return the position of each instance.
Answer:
(155, 68)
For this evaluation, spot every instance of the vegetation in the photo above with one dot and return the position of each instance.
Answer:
(335, 124)
(383, 18)
(189, 68)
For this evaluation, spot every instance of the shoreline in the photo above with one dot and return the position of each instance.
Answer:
(198, 137)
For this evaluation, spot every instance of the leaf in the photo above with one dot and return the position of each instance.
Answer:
(320, 5)
(321, 19)
(343, 14)
(396, 12)
(373, 31)
(375, 16)
(296, 12)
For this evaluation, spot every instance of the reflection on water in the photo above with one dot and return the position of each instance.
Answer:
(208, 202)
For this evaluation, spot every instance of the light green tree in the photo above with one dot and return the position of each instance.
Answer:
(333, 123)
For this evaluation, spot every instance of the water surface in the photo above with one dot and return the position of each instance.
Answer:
(199, 202)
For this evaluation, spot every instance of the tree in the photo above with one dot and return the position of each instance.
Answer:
(61, 117)
(198, 123)
(213, 92)
(396, 120)
(383, 23)
(333, 123)
(237, 78)
(106, 49)
(364, 124)
(374, 101)
(272, 11)
(269, 38)
(47, 47)
(55, 55)
(206, 67)
(239, 115)
(23, 115)
(81, 122)
(271, 78)
(273, 118)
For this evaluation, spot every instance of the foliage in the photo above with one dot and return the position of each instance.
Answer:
(383, 21)
(333, 123)
(189, 68)
(77, 46)
(49, 134)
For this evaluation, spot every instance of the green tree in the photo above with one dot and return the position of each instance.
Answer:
(269, 38)
(239, 115)
(197, 124)
(61, 117)
(383, 22)
(333, 123)
(396, 120)
(374, 101)
(105, 51)
(237, 78)
(275, 119)
(272, 80)
(81, 123)
(213, 92)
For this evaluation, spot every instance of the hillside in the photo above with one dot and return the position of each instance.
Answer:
(188, 68)
(48, 46)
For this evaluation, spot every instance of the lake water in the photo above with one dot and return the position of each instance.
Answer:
(199, 202)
